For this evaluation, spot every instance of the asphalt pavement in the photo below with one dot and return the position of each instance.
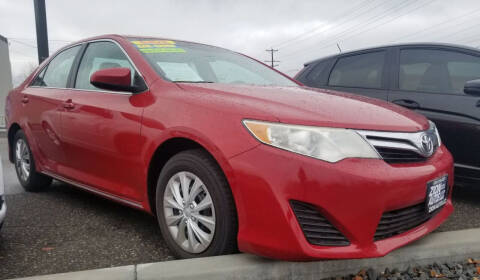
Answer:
(66, 229)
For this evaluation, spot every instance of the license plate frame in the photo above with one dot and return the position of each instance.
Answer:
(437, 194)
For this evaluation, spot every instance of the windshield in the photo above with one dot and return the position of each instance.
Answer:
(195, 63)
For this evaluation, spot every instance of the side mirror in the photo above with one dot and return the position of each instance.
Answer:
(472, 87)
(119, 79)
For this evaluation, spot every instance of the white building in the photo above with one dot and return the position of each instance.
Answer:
(5, 77)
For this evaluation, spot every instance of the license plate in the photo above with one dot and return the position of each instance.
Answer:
(437, 192)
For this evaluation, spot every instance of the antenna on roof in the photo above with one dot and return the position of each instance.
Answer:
(339, 49)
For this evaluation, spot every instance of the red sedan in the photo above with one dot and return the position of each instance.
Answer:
(228, 153)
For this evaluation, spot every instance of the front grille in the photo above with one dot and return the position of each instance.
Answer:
(402, 220)
(403, 147)
(392, 155)
(317, 229)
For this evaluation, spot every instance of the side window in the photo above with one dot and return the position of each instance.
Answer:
(100, 55)
(437, 71)
(38, 81)
(313, 78)
(363, 71)
(55, 74)
(462, 71)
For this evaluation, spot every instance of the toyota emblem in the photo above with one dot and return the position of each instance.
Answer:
(427, 145)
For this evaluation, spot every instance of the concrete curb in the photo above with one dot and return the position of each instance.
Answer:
(113, 273)
(437, 247)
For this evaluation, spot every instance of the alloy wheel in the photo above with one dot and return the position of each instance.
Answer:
(189, 212)
(22, 159)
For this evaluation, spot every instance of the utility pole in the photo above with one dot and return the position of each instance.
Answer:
(272, 61)
(42, 34)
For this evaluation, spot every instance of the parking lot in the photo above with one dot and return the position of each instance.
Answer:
(66, 229)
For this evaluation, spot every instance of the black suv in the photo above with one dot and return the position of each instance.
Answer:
(436, 80)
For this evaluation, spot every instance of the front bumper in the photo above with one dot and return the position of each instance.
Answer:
(352, 194)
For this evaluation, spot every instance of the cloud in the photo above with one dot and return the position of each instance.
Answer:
(248, 26)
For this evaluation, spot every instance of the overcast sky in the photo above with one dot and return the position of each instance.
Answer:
(302, 30)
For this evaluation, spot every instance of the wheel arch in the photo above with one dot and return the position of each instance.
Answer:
(168, 149)
(12, 130)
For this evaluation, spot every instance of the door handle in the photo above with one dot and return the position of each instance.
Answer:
(478, 103)
(25, 99)
(68, 104)
(410, 104)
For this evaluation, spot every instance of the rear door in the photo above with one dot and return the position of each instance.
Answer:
(364, 73)
(101, 129)
(43, 103)
(430, 81)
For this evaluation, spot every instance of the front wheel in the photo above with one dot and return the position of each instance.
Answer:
(28, 176)
(195, 208)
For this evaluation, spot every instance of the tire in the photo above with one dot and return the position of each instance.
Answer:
(204, 175)
(31, 181)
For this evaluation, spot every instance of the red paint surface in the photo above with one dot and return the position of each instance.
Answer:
(107, 141)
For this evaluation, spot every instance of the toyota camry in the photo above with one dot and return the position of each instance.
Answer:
(228, 153)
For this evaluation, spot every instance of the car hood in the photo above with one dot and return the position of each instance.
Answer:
(308, 106)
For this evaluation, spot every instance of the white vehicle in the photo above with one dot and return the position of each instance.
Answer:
(3, 205)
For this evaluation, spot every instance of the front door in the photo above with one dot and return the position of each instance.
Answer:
(101, 129)
(431, 82)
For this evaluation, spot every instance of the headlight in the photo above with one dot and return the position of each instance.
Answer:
(328, 144)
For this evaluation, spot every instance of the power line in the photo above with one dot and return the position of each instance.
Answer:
(346, 20)
(377, 18)
(371, 20)
(317, 28)
(17, 41)
(469, 40)
(374, 19)
(436, 25)
(33, 39)
(21, 53)
(454, 36)
(366, 30)
(22, 43)
(272, 61)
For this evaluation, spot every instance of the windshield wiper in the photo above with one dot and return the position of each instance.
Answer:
(199, 82)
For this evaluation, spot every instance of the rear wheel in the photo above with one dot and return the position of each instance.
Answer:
(29, 178)
(195, 208)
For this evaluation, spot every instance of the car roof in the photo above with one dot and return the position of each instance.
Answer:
(426, 44)
(141, 37)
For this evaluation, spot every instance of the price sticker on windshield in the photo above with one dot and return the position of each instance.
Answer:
(157, 46)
